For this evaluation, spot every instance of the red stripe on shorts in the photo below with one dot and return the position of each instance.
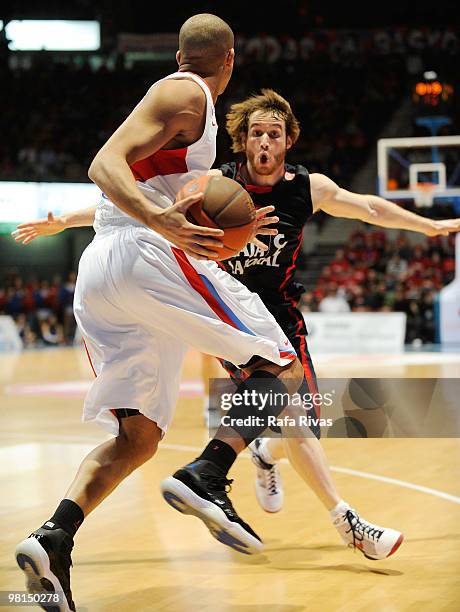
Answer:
(195, 281)
(286, 355)
(112, 410)
(89, 358)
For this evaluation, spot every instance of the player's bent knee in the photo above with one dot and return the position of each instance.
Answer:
(141, 450)
(292, 375)
(293, 368)
(141, 436)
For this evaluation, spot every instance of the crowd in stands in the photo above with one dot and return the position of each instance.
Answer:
(57, 111)
(57, 138)
(342, 99)
(42, 310)
(371, 273)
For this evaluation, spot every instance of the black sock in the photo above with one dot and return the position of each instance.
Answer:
(219, 453)
(259, 384)
(68, 515)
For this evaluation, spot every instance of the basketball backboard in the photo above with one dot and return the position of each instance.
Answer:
(421, 169)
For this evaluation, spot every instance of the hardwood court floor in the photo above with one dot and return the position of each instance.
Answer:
(135, 553)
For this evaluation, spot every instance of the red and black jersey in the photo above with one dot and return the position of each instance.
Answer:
(271, 274)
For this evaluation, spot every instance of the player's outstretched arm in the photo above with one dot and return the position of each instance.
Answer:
(338, 202)
(167, 112)
(28, 231)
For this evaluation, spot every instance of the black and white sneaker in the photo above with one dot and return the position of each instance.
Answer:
(200, 489)
(44, 557)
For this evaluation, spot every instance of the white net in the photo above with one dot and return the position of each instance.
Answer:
(424, 194)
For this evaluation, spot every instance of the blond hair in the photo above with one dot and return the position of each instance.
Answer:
(267, 101)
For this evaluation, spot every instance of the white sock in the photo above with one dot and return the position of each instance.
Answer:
(339, 509)
(264, 451)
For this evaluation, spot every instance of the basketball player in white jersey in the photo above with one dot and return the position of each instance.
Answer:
(143, 294)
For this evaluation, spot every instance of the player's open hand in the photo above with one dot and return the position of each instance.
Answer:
(261, 229)
(26, 232)
(444, 228)
(195, 240)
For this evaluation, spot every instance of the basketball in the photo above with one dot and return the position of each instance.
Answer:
(225, 205)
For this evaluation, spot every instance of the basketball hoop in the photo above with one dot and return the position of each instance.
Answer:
(425, 194)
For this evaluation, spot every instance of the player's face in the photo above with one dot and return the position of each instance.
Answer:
(266, 142)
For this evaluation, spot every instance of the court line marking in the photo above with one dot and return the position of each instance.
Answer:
(43, 437)
(369, 475)
(398, 483)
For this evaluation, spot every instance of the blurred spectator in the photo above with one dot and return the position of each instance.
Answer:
(396, 266)
(51, 331)
(339, 264)
(42, 310)
(414, 323)
(27, 336)
(308, 302)
(65, 298)
(427, 313)
(333, 302)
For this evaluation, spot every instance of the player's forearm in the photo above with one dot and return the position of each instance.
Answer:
(388, 214)
(113, 176)
(78, 218)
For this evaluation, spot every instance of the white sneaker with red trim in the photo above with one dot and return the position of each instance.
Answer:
(373, 541)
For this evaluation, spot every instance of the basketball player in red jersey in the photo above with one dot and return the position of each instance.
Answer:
(264, 128)
(145, 291)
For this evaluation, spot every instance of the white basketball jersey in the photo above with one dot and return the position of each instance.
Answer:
(161, 175)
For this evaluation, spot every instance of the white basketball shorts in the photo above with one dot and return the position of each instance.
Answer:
(140, 302)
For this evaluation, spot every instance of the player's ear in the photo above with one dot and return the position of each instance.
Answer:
(230, 58)
(178, 57)
(288, 143)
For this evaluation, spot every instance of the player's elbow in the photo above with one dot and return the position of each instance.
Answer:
(374, 212)
(96, 168)
(92, 170)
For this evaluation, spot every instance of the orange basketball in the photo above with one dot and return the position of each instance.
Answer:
(225, 205)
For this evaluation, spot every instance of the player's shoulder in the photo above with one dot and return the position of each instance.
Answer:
(298, 170)
(177, 94)
(320, 181)
(189, 89)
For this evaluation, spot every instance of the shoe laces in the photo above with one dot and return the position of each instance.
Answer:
(220, 486)
(218, 483)
(272, 480)
(360, 529)
(258, 461)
